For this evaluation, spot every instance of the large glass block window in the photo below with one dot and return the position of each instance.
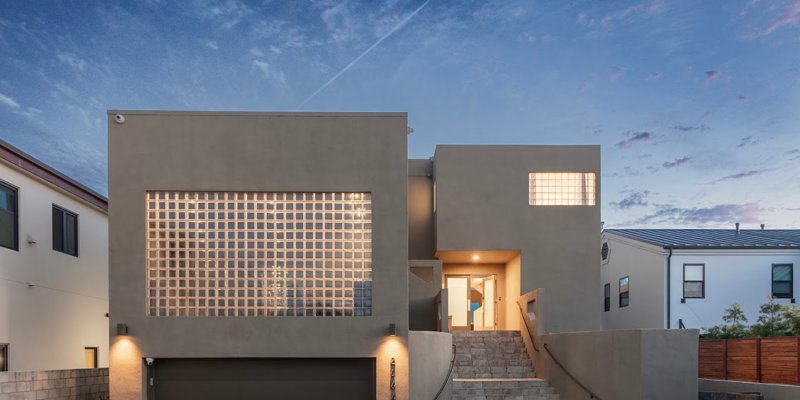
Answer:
(782, 281)
(561, 188)
(259, 254)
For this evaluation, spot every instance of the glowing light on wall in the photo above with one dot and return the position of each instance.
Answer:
(561, 188)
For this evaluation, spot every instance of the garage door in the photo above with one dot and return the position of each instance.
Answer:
(263, 378)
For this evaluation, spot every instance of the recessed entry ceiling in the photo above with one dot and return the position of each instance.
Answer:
(477, 256)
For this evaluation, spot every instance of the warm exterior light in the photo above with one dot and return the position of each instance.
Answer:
(392, 329)
(122, 329)
(476, 257)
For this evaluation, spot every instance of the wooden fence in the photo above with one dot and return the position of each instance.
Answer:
(767, 360)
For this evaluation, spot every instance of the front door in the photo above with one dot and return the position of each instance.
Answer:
(471, 301)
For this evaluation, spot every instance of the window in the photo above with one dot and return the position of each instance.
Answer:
(65, 231)
(90, 357)
(607, 299)
(694, 285)
(9, 218)
(561, 188)
(259, 254)
(3, 357)
(782, 281)
(624, 295)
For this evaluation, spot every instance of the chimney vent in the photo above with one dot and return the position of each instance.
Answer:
(737, 228)
(762, 227)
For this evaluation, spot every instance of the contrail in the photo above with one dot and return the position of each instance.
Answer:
(360, 56)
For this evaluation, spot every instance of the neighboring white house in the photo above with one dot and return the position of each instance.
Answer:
(53, 268)
(708, 270)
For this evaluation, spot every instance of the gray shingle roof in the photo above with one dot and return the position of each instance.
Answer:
(715, 238)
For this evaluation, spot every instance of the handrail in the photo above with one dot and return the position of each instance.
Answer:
(449, 373)
(550, 353)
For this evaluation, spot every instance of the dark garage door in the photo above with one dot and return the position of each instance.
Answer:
(263, 378)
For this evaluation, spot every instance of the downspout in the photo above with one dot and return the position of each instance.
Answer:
(669, 291)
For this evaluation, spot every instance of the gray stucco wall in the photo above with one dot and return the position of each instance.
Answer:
(430, 354)
(769, 391)
(257, 152)
(622, 365)
(482, 204)
(422, 295)
(421, 240)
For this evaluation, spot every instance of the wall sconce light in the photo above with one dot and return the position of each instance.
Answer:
(476, 257)
(392, 329)
(122, 329)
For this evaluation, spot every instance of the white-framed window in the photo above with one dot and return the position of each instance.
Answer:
(624, 292)
(694, 281)
(561, 188)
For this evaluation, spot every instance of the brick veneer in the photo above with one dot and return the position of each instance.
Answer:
(71, 384)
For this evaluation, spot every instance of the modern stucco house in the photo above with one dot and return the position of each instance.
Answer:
(674, 278)
(304, 255)
(53, 268)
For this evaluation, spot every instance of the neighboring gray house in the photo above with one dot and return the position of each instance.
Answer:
(270, 252)
(703, 270)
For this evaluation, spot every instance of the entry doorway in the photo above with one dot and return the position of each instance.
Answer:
(472, 301)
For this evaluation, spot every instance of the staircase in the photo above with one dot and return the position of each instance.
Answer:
(494, 365)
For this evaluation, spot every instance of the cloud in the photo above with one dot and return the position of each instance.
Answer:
(617, 73)
(742, 97)
(72, 60)
(339, 23)
(397, 27)
(789, 17)
(634, 138)
(256, 52)
(655, 76)
(518, 12)
(211, 44)
(633, 199)
(271, 73)
(689, 128)
(678, 162)
(16, 108)
(741, 175)
(712, 75)
(747, 141)
(285, 35)
(228, 13)
(722, 213)
(624, 16)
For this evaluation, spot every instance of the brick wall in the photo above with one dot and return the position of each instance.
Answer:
(72, 384)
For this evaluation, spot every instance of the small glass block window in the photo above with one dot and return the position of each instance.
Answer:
(694, 285)
(561, 188)
(259, 254)
(624, 292)
(782, 281)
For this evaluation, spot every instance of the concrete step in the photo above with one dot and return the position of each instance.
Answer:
(502, 389)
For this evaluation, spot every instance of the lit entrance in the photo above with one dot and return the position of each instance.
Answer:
(472, 300)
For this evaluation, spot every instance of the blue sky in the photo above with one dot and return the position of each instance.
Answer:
(696, 103)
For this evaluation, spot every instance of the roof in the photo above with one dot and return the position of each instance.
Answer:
(715, 238)
(32, 166)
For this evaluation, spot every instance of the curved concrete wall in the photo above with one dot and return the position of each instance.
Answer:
(429, 359)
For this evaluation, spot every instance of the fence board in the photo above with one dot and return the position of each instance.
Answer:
(768, 360)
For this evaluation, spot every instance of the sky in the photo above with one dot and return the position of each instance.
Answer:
(696, 104)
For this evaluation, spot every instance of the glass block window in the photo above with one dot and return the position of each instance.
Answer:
(259, 254)
(561, 188)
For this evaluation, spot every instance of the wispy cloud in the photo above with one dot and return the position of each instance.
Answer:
(227, 13)
(698, 216)
(789, 17)
(712, 75)
(655, 76)
(617, 73)
(211, 44)
(72, 60)
(632, 199)
(677, 162)
(339, 22)
(282, 33)
(689, 128)
(399, 25)
(633, 138)
(270, 72)
(741, 175)
(14, 106)
(747, 141)
(624, 16)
